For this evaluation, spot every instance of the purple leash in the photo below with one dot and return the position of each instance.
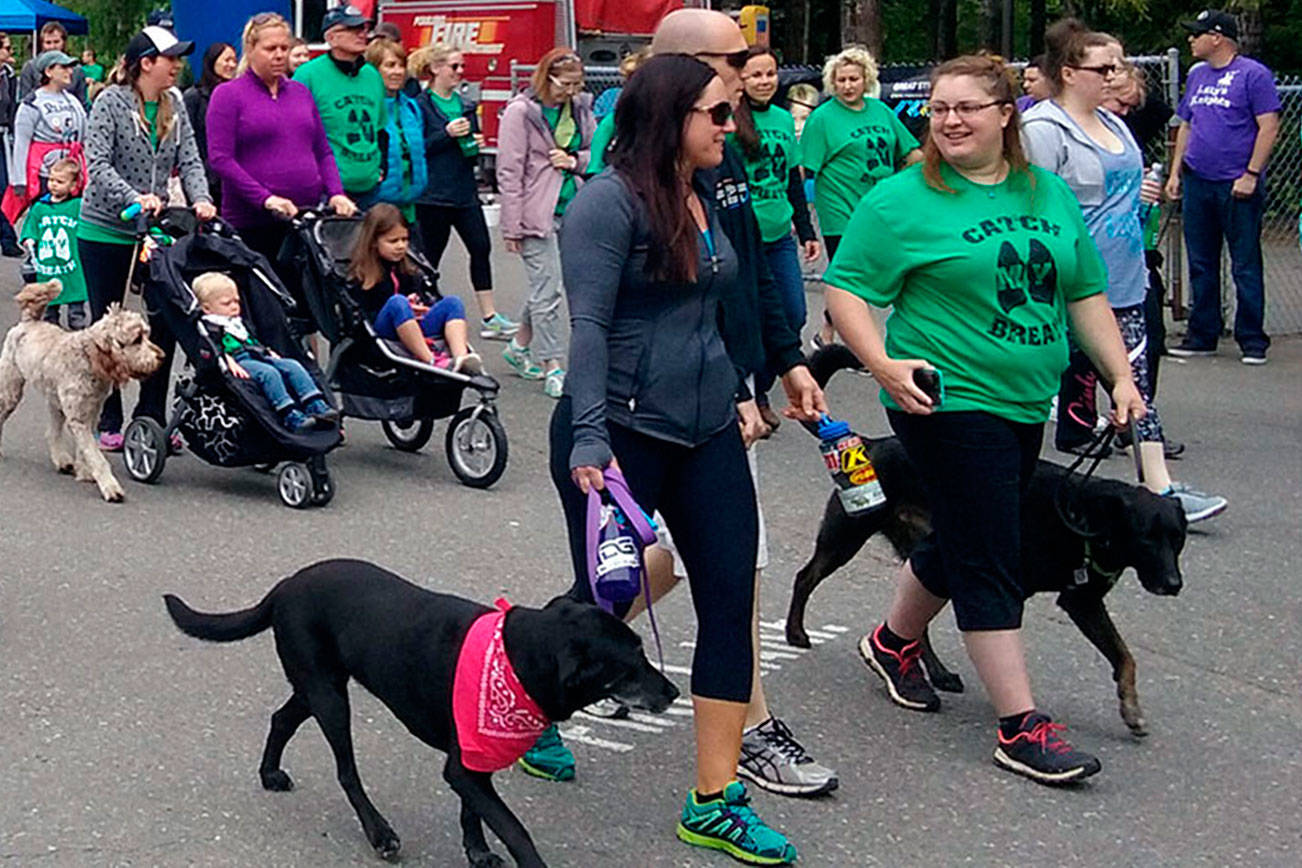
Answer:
(641, 524)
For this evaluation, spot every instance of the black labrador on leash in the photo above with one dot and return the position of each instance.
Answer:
(1079, 553)
(342, 619)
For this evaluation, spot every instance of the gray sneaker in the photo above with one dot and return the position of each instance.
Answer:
(773, 759)
(1196, 505)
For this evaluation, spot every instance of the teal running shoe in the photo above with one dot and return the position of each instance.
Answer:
(549, 758)
(729, 824)
(497, 328)
(521, 360)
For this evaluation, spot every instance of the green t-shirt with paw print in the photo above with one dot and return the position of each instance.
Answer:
(978, 281)
(850, 150)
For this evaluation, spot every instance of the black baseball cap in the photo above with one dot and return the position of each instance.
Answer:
(155, 41)
(344, 16)
(1213, 21)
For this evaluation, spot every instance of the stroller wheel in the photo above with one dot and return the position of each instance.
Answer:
(323, 487)
(294, 482)
(144, 450)
(476, 447)
(410, 436)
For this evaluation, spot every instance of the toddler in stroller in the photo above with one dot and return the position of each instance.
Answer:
(226, 420)
(402, 306)
(248, 359)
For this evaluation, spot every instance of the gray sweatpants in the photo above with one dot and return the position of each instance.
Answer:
(542, 310)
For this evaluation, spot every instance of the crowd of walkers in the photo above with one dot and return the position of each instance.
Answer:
(1013, 245)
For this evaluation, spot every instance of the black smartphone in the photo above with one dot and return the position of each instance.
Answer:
(932, 383)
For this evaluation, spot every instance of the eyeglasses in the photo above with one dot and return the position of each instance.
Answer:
(456, 66)
(1107, 70)
(965, 110)
(735, 59)
(720, 113)
(572, 86)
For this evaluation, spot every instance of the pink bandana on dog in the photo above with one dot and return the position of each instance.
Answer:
(496, 719)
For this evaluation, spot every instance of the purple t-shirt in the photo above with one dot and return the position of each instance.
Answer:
(1221, 108)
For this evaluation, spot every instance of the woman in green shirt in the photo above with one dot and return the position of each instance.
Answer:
(766, 134)
(986, 262)
(850, 143)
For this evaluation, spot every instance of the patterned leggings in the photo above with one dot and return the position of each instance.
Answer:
(1076, 395)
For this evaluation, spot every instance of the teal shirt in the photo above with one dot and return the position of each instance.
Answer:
(601, 140)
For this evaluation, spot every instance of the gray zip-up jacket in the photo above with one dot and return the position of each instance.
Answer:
(644, 353)
(123, 163)
(1053, 141)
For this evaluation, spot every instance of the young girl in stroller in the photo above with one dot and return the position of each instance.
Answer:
(220, 299)
(400, 304)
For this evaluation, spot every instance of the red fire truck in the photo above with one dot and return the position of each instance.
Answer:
(496, 35)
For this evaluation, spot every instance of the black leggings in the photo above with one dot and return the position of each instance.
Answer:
(706, 497)
(976, 468)
(436, 225)
(830, 243)
(106, 267)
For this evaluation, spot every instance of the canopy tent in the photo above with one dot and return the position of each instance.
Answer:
(29, 16)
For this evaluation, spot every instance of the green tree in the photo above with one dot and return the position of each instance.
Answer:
(112, 23)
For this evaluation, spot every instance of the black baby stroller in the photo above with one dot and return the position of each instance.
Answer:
(377, 378)
(225, 420)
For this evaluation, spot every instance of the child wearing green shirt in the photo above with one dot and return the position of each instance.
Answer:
(50, 236)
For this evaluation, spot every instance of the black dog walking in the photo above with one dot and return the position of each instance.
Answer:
(344, 619)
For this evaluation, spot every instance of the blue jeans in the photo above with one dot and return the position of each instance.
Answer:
(397, 310)
(783, 259)
(271, 375)
(1212, 213)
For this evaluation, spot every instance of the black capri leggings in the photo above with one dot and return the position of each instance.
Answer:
(106, 267)
(976, 468)
(436, 225)
(706, 497)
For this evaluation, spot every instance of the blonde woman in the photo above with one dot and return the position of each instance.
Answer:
(850, 143)
(268, 146)
(451, 196)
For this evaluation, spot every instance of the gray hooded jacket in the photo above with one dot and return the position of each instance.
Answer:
(123, 164)
(1053, 141)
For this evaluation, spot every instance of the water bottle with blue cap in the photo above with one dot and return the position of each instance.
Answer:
(847, 460)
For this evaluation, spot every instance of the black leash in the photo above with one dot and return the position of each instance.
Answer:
(1065, 495)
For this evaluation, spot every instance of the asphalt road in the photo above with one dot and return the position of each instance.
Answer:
(123, 742)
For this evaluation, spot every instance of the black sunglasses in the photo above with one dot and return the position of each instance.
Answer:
(1107, 70)
(735, 59)
(720, 113)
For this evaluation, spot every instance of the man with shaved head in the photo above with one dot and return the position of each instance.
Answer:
(754, 327)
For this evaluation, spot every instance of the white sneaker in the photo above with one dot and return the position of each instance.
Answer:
(470, 363)
(554, 384)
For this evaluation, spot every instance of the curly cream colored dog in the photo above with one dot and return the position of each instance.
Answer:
(76, 371)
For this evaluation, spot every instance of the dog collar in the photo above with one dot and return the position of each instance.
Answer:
(496, 719)
(1092, 564)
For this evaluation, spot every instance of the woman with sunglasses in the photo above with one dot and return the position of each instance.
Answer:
(451, 197)
(543, 144)
(850, 143)
(767, 137)
(1090, 148)
(651, 391)
(986, 262)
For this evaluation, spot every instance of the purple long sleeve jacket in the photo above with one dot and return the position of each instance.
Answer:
(261, 146)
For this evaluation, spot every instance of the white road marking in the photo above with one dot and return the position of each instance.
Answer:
(580, 734)
(618, 724)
